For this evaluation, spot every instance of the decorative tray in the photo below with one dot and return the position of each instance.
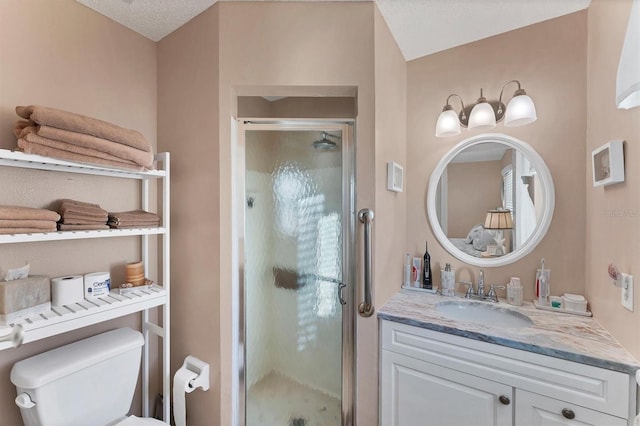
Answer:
(434, 290)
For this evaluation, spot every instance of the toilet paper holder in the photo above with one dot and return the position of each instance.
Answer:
(199, 367)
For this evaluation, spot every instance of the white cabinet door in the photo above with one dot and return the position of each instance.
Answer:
(418, 393)
(537, 410)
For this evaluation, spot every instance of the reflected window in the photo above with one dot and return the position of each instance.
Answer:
(290, 184)
(328, 265)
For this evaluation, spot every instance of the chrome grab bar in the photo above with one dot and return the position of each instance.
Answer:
(366, 308)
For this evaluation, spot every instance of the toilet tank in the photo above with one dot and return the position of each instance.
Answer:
(89, 382)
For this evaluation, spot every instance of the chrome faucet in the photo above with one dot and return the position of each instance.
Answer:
(480, 293)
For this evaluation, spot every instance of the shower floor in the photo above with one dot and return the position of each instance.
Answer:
(276, 400)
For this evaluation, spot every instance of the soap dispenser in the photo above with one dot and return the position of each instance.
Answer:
(448, 281)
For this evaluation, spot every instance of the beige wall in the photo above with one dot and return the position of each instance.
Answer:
(97, 67)
(61, 54)
(472, 189)
(271, 46)
(188, 128)
(613, 213)
(549, 59)
(264, 49)
(390, 207)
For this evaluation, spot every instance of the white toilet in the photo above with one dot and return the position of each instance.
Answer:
(89, 382)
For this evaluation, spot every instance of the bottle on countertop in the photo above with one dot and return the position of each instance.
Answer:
(407, 270)
(447, 281)
(427, 280)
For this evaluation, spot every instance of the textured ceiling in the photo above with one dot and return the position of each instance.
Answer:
(420, 27)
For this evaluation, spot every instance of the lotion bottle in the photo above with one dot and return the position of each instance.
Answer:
(407, 270)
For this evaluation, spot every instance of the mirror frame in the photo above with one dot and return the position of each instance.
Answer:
(541, 228)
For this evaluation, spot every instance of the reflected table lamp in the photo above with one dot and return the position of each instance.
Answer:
(499, 220)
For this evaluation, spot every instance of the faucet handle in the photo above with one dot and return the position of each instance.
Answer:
(492, 291)
(469, 285)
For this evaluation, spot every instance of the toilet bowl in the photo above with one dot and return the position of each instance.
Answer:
(89, 382)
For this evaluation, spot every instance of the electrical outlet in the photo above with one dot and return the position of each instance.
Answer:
(627, 291)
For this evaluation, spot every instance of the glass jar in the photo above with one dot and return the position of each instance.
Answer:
(514, 292)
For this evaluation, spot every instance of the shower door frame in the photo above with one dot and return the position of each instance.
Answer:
(347, 129)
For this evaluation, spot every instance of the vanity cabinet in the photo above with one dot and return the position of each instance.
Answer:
(434, 378)
(421, 393)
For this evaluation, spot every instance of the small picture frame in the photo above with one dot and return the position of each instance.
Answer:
(607, 163)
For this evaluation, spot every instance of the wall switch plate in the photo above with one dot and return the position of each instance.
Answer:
(627, 291)
(395, 177)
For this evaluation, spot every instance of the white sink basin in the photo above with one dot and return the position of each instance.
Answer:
(482, 313)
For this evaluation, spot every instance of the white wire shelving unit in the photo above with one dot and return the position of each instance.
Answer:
(61, 319)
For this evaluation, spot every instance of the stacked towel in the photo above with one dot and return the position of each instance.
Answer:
(78, 215)
(134, 219)
(73, 137)
(25, 220)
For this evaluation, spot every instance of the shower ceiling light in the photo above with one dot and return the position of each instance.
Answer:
(484, 114)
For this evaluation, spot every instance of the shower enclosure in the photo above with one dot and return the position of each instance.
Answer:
(296, 278)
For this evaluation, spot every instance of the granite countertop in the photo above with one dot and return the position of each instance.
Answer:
(571, 337)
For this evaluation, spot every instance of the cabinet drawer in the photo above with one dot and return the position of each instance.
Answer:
(538, 410)
(599, 389)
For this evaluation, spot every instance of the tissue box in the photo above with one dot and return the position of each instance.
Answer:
(23, 297)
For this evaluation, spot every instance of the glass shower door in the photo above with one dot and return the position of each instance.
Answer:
(293, 263)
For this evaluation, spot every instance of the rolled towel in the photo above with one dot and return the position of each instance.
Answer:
(46, 151)
(28, 213)
(132, 226)
(76, 212)
(6, 231)
(20, 126)
(70, 202)
(81, 207)
(65, 227)
(93, 143)
(82, 124)
(26, 223)
(30, 135)
(133, 216)
(81, 220)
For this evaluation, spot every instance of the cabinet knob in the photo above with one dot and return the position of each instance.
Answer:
(569, 414)
(504, 400)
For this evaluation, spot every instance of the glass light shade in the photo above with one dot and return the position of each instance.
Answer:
(520, 111)
(448, 124)
(482, 117)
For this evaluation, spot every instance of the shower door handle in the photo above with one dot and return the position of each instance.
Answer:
(341, 287)
(366, 308)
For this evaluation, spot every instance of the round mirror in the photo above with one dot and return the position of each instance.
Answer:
(490, 200)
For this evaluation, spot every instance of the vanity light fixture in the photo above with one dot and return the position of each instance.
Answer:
(484, 114)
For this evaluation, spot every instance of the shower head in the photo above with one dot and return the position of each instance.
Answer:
(325, 144)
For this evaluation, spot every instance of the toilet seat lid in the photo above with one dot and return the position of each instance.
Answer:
(140, 421)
